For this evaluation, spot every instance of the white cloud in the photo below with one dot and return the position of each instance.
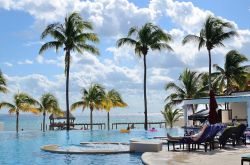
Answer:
(124, 53)
(39, 59)
(32, 43)
(8, 64)
(120, 14)
(27, 61)
(159, 76)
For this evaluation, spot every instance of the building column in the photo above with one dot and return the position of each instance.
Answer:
(248, 114)
(185, 109)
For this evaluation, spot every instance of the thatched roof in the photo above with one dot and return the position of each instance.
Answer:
(63, 116)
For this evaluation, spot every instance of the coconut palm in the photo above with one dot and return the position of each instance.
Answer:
(48, 104)
(92, 99)
(3, 84)
(171, 115)
(234, 74)
(22, 103)
(70, 36)
(190, 86)
(112, 99)
(142, 39)
(212, 34)
(214, 84)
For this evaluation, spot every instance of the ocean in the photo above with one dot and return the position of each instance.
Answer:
(33, 122)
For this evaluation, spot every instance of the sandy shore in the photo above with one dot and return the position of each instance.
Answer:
(228, 156)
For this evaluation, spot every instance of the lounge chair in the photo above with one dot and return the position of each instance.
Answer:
(215, 130)
(235, 135)
(203, 140)
(207, 138)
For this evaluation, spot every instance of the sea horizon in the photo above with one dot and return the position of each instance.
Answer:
(33, 122)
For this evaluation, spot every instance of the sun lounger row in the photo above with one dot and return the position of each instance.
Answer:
(217, 133)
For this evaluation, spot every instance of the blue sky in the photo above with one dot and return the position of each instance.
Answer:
(24, 20)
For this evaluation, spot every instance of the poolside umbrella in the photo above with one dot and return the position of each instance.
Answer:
(213, 115)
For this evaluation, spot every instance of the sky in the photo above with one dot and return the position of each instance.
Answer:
(22, 22)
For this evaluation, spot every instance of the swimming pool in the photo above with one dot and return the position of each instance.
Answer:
(24, 148)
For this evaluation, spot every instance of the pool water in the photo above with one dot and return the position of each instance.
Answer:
(24, 148)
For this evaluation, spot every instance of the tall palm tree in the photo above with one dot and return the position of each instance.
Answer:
(214, 83)
(190, 86)
(22, 103)
(147, 37)
(212, 34)
(92, 99)
(112, 99)
(233, 75)
(171, 116)
(3, 85)
(70, 36)
(48, 104)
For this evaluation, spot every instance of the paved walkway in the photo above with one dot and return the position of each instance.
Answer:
(228, 156)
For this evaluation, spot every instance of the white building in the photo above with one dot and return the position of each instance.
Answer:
(239, 105)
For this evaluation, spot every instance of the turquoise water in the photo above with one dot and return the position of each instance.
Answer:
(31, 122)
(24, 148)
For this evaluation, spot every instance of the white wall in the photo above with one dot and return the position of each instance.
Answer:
(225, 117)
(239, 110)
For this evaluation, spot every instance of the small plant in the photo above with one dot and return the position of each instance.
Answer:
(171, 116)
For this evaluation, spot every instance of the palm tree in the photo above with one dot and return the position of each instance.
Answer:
(233, 75)
(212, 34)
(171, 116)
(48, 104)
(190, 86)
(112, 99)
(71, 36)
(22, 103)
(147, 37)
(92, 99)
(3, 84)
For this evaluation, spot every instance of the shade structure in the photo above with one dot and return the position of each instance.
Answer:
(213, 115)
(201, 115)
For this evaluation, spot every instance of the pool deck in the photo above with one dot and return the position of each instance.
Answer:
(228, 156)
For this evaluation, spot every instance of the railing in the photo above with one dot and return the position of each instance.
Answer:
(101, 126)
(85, 125)
(161, 124)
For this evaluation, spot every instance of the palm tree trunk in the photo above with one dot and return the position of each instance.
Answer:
(44, 114)
(145, 93)
(91, 119)
(227, 93)
(193, 110)
(67, 86)
(17, 121)
(209, 73)
(108, 120)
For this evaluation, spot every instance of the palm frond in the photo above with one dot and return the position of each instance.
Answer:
(52, 44)
(78, 104)
(124, 41)
(190, 38)
(7, 105)
(160, 46)
(132, 31)
(89, 48)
